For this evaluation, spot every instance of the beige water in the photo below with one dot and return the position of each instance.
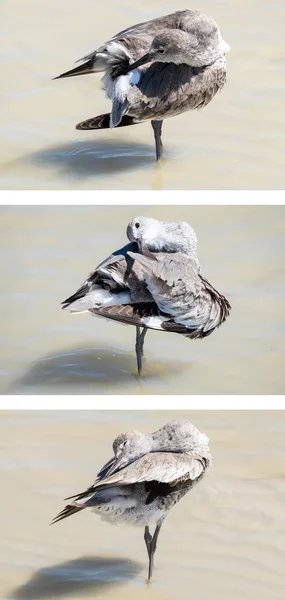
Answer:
(47, 252)
(223, 541)
(237, 142)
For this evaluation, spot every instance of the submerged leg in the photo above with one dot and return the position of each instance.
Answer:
(157, 127)
(150, 542)
(139, 346)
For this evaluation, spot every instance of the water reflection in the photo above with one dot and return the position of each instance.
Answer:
(85, 574)
(96, 370)
(85, 159)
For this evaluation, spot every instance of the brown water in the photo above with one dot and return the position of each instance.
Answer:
(237, 142)
(224, 540)
(47, 252)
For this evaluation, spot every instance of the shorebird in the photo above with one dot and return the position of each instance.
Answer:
(148, 474)
(154, 282)
(157, 69)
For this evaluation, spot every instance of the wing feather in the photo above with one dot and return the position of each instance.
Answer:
(164, 467)
(106, 267)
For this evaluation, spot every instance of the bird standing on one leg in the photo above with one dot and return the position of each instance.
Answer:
(147, 476)
(156, 70)
(154, 282)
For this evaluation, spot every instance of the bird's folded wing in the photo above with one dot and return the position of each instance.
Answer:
(164, 467)
(130, 314)
(219, 299)
(208, 286)
(136, 314)
(167, 85)
(106, 267)
(170, 268)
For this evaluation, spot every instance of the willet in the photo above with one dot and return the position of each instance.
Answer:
(148, 474)
(157, 69)
(154, 282)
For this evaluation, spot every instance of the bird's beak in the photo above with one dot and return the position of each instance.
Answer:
(141, 61)
(117, 465)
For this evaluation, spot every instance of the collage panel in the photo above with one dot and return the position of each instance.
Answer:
(221, 531)
(214, 83)
(206, 298)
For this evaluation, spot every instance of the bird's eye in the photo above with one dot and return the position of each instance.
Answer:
(161, 50)
(137, 225)
(125, 443)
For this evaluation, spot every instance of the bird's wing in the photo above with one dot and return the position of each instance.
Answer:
(180, 291)
(166, 84)
(139, 315)
(220, 306)
(164, 467)
(167, 89)
(130, 314)
(146, 30)
(154, 26)
(112, 268)
(169, 268)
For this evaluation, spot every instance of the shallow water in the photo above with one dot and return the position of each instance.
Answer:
(225, 539)
(237, 142)
(47, 252)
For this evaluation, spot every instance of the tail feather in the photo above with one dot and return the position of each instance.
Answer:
(67, 512)
(84, 69)
(103, 122)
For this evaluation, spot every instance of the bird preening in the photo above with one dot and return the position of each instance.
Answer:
(153, 282)
(156, 70)
(147, 476)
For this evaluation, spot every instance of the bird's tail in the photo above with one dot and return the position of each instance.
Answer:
(70, 509)
(103, 122)
(85, 69)
(114, 60)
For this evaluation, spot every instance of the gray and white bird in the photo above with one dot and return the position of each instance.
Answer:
(154, 282)
(157, 69)
(147, 476)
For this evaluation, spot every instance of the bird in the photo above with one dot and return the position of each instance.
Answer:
(147, 476)
(156, 70)
(153, 282)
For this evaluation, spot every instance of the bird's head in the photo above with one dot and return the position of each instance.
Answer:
(197, 43)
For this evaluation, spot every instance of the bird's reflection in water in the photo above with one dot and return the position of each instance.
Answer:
(86, 575)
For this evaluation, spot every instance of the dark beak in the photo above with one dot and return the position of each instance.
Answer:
(141, 61)
(116, 466)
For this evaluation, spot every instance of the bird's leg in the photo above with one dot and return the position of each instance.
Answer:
(152, 550)
(138, 353)
(157, 127)
(150, 542)
(139, 346)
(147, 538)
(141, 340)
